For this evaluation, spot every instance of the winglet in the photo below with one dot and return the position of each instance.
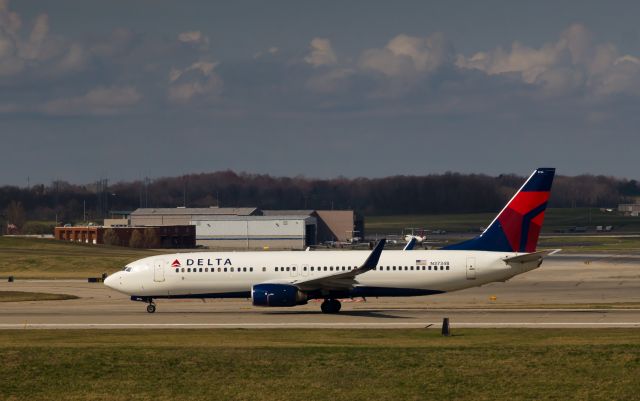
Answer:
(372, 260)
(410, 245)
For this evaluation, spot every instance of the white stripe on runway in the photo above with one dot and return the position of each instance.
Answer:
(310, 325)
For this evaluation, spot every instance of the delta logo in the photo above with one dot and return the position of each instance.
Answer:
(176, 263)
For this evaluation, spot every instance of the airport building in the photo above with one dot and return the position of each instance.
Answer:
(253, 228)
(256, 232)
(182, 215)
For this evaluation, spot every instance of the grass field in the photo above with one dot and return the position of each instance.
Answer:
(44, 258)
(555, 219)
(523, 364)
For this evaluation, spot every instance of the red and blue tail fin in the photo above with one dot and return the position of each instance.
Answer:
(517, 226)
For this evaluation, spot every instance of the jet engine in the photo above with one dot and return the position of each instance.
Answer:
(277, 295)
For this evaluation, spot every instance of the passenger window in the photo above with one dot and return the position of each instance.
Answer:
(218, 270)
(206, 270)
(183, 269)
(251, 269)
(287, 268)
(325, 268)
(264, 269)
(276, 269)
(231, 269)
(304, 268)
(225, 269)
(201, 270)
(293, 268)
(441, 267)
(447, 267)
(177, 269)
(311, 268)
(387, 268)
(394, 268)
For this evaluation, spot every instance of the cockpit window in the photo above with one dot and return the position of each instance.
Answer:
(128, 268)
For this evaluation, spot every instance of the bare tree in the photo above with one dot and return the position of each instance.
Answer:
(16, 214)
(151, 238)
(136, 240)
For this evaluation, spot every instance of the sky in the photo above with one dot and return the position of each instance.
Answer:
(150, 88)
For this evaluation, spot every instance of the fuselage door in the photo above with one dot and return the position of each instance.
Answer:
(294, 270)
(305, 270)
(471, 268)
(158, 270)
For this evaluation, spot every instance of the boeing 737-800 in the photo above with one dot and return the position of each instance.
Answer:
(289, 278)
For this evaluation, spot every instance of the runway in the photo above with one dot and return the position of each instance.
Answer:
(570, 291)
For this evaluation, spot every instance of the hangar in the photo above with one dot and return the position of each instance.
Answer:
(256, 232)
(180, 215)
(253, 228)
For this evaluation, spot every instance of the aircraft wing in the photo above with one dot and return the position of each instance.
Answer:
(343, 280)
(530, 257)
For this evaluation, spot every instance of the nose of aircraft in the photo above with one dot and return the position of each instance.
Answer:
(111, 281)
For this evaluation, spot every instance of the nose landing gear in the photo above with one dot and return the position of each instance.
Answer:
(151, 308)
(330, 306)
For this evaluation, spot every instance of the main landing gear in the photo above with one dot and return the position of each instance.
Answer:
(331, 306)
(151, 308)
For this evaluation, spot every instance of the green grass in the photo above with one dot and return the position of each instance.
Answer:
(47, 258)
(555, 219)
(605, 244)
(481, 364)
(20, 296)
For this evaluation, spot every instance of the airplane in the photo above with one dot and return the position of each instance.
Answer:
(411, 243)
(506, 248)
(420, 237)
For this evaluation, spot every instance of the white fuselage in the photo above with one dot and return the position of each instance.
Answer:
(232, 274)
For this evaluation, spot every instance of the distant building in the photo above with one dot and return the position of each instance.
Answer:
(116, 223)
(252, 228)
(256, 232)
(183, 216)
(333, 225)
(629, 209)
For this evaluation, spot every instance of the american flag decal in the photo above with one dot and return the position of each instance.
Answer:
(421, 262)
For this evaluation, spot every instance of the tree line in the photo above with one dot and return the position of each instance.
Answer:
(428, 194)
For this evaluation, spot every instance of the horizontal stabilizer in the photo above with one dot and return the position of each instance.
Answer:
(530, 257)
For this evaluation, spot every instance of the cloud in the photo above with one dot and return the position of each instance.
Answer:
(322, 53)
(194, 37)
(98, 101)
(38, 52)
(408, 55)
(197, 80)
(571, 63)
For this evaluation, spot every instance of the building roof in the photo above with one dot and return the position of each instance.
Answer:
(288, 212)
(182, 211)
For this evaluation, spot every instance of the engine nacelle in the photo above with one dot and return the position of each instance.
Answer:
(277, 295)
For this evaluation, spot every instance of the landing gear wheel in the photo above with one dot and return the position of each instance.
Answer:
(151, 308)
(330, 306)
